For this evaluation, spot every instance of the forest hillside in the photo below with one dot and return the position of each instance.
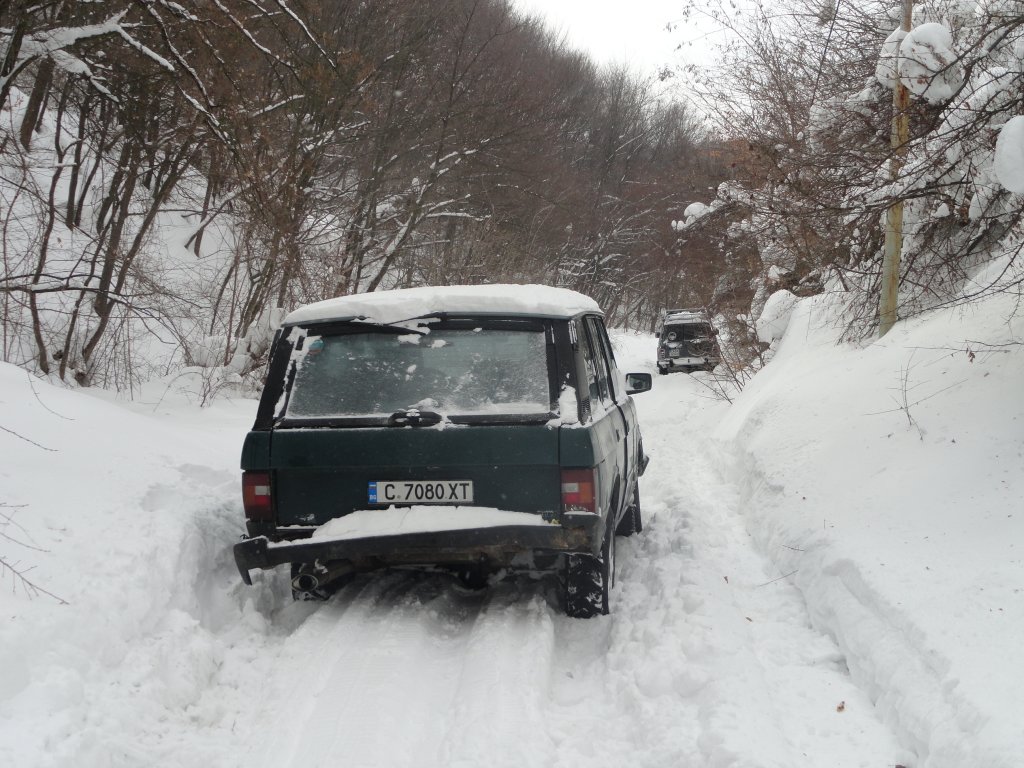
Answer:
(175, 176)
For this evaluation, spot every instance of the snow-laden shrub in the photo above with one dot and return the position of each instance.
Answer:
(774, 319)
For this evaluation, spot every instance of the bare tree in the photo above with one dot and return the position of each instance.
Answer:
(807, 86)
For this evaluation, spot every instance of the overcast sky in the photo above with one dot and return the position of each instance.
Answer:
(633, 31)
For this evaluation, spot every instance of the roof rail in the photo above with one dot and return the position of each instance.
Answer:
(695, 311)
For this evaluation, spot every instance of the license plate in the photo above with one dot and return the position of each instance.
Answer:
(421, 492)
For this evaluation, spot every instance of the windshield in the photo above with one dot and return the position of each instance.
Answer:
(461, 371)
(687, 332)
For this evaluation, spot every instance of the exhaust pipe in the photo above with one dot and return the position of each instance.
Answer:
(318, 582)
(305, 582)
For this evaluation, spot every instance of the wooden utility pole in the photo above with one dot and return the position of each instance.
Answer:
(894, 216)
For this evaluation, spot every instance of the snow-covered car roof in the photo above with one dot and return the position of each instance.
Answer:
(403, 304)
(686, 316)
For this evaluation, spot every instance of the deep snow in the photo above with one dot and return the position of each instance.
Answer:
(829, 575)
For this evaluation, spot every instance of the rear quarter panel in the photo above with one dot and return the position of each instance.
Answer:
(597, 444)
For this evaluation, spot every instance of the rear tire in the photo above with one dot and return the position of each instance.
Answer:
(663, 371)
(588, 579)
(631, 521)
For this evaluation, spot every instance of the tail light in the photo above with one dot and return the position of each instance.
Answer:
(578, 490)
(256, 495)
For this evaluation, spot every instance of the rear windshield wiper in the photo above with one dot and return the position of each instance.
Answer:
(414, 417)
(399, 330)
(502, 418)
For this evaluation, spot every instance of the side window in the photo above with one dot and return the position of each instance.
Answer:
(593, 393)
(596, 360)
(606, 356)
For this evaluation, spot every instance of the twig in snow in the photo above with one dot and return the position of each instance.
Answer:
(784, 576)
(32, 386)
(9, 520)
(37, 445)
(31, 588)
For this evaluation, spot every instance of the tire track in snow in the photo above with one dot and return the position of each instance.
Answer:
(761, 687)
(498, 717)
(353, 675)
(405, 669)
(702, 662)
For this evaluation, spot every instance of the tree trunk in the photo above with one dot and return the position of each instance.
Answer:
(10, 60)
(36, 100)
(44, 242)
(173, 167)
(103, 303)
(211, 191)
(70, 217)
(102, 147)
(260, 291)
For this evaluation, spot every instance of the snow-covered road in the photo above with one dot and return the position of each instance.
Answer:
(707, 659)
(164, 658)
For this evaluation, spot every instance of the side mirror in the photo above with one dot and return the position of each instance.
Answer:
(638, 382)
(657, 334)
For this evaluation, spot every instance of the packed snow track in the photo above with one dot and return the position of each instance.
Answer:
(707, 658)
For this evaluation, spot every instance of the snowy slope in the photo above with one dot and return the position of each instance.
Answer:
(818, 584)
(888, 480)
(127, 518)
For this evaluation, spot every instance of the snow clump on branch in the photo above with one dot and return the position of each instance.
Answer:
(693, 213)
(927, 63)
(885, 71)
(1009, 162)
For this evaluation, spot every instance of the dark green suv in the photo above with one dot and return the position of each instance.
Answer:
(475, 429)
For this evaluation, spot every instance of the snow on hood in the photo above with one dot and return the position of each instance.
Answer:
(404, 304)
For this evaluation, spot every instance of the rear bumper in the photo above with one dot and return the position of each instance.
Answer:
(497, 546)
(680, 362)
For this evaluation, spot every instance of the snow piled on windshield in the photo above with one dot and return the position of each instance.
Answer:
(388, 307)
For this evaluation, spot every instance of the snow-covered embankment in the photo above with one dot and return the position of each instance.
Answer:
(886, 481)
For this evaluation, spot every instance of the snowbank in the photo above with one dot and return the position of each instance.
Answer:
(774, 319)
(886, 482)
(124, 522)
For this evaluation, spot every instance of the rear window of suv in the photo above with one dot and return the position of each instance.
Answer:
(463, 370)
(686, 332)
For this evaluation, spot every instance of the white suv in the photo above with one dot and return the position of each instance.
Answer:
(687, 342)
